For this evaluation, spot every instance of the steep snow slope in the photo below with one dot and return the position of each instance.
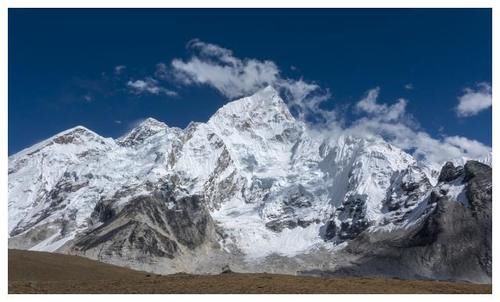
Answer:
(68, 175)
(47, 177)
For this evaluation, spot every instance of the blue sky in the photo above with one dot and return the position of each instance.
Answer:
(108, 69)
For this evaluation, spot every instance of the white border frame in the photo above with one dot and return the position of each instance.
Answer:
(5, 4)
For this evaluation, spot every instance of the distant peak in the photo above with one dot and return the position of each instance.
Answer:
(262, 99)
(263, 107)
(141, 132)
(268, 96)
(152, 122)
(79, 127)
(75, 135)
(78, 135)
(77, 130)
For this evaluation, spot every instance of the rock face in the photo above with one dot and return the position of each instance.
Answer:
(453, 241)
(255, 190)
(450, 172)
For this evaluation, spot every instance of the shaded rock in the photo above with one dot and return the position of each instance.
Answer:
(103, 212)
(148, 227)
(453, 242)
(329, 230)
(189, 221)
(278, 225)
(449, 172)
(226, 269)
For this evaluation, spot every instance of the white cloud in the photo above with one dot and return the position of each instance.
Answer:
(474, 101)
(419, 143)
(161, 71)
(217, 67)
(369, 103)
(409, 86)
(231, 80)
(385, 112)
(209, 50)
(119, 69)
(149, 85)
(88, 98)
(305, 98)
(471, 148)
(397, 127)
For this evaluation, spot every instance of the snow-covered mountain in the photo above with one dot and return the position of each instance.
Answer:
(252, 188)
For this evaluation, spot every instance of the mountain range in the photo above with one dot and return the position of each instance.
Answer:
(252, 190)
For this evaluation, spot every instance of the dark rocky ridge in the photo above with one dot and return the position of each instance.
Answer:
(452, 243)
(449, 172)
(156, 225)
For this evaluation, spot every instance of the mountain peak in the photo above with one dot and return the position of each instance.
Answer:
(269, 91)
(268, 96)
(78, 128)
(152, 122)
(265, 103)
(69, 136)
(141, 132)
(78, 135)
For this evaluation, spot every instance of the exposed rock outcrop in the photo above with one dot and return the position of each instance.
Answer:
(452, 242)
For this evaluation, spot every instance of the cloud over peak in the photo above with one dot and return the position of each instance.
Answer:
(399, 128)
(216, 66)
(234, 77)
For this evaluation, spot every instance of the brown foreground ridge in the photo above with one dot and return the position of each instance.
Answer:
(40, 272)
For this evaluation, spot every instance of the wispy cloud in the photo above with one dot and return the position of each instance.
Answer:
(399, 128)
(409, 86)
(149, 86)
(119, 69)
(386, 112)
(161, 71)
(217, 67)
(88, 98)
(474, 101)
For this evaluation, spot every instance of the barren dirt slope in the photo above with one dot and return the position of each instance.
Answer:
(39, 272)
